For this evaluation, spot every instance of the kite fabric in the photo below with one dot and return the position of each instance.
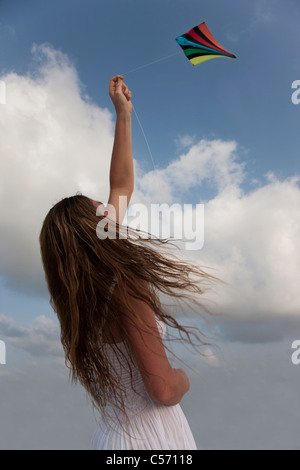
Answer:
(199, 45)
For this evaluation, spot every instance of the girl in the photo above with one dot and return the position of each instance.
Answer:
(105, 293)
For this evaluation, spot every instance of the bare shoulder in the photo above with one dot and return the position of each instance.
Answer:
(125, 325)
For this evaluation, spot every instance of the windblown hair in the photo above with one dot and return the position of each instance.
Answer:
(80, 269)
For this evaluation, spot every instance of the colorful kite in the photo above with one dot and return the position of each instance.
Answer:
(199, 45)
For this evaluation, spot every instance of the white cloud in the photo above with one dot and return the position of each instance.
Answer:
(184, 141)
(55, 142)
(213, 161)
(41, 339)
(251, 239)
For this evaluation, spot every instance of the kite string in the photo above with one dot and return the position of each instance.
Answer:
(151, 63)
(137, 118)
(146, 140)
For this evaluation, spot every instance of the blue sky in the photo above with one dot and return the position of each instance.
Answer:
(224, 132)
(247, 99)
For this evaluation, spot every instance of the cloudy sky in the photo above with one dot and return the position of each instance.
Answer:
(224, 134)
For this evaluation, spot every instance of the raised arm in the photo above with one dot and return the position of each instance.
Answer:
(121, 176)
(164, 384)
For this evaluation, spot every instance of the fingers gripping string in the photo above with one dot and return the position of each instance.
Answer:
(117, 83)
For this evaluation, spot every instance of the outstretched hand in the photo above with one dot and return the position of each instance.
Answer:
(120, 95)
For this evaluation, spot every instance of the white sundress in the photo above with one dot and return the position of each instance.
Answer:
(151, 426)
